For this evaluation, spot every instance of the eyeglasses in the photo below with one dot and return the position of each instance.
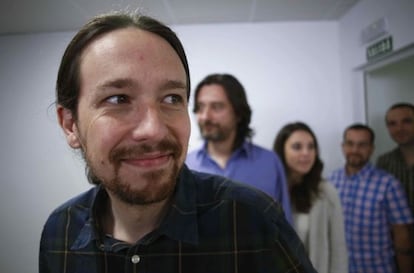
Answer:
(359, 145)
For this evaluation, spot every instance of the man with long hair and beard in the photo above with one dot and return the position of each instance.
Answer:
(122, 100)
(223, 116)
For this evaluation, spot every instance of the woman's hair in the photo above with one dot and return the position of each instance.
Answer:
(302, 194)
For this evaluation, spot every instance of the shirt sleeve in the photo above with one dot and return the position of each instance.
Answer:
(397, 207)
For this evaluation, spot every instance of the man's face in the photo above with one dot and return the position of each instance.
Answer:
(133, 124)
(400, 125)
(357, 148)
(215, 114)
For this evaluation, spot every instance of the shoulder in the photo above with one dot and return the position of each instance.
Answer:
(212, 188)
(79, 205)
(76, 212)
(390, 155)
(380, 174)
(337, 172)
(194, 158)
(327, 188)
(262, 152)
(259, 149)
(193, 153)
(83, 200)
(336, 175)
(383, 180)
(328, 192)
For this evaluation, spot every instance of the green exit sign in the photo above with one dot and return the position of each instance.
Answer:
(380, 48)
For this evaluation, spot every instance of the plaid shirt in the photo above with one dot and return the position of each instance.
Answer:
(394, 163)
(213, 226)
(372, 201)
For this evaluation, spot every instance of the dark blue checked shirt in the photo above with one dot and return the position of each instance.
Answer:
(214, 225)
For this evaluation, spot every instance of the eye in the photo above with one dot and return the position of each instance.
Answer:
(296, 146)
(391, 123)
(199, 108)
(311, 146)
(407, 121)
(174, 99)
(349, 143)
(217, 106)
(117, 99)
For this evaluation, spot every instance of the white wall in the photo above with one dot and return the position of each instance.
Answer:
(400, 19)
(291, 71)
(38, 169)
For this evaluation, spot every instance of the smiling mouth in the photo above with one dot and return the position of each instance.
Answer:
(149, 161)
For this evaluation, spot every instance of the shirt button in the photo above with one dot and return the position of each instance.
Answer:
(135, 259)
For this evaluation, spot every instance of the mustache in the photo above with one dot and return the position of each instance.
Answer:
(164, 146)
(208, 123)
(358, 155)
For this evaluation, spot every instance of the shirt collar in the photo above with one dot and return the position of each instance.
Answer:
(91, 229)
(244, 150)
(181, 221)
(362, 172)
(179, 224)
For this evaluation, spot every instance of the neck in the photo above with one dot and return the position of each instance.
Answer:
(350, 170)
(130, 223)
(221, 151)
(407, 152)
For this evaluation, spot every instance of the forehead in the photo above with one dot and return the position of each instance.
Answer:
(357, 135)
(400, 113)
(300, 135)
(130, 52)
(212, 93)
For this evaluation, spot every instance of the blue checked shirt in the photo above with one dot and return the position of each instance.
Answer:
(214, 225)
(372, 201)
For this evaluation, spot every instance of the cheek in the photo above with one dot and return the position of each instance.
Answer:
(184, 135)
(181, 130)
(313, 156)
(103, 134)
(290, 159)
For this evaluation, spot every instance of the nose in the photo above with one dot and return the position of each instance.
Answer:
(354, 148)
(399, 127)
(305, 151)
(149, 125)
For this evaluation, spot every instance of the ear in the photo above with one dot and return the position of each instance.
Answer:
(67, 122)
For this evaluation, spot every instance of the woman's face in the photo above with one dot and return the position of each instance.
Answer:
(300, 153)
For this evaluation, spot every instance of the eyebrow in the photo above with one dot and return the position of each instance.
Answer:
(117, 83)
(128, 83)
(173, 84)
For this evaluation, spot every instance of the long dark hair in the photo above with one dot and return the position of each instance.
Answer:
(237, 96)
(302, 194)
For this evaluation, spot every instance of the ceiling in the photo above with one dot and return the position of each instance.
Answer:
(28, 16)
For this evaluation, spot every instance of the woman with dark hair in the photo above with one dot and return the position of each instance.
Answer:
(316, 209)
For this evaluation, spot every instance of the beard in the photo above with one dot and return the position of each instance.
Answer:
(160, 184)
(403, 139)
(213, 132)
(355, 161)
